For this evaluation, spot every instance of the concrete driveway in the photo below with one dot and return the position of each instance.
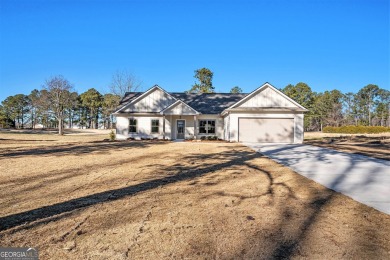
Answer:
(362, 178)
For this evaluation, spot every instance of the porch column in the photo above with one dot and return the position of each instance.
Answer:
(195, 127)
(172, 125)
(163, 127)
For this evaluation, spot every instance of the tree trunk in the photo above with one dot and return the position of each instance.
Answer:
(32, 119)
(382, 120)
(97, 121)
(388, 117)
(70, 119)
(60, 130)
(369, 114)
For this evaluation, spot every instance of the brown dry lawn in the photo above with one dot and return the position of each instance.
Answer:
(373, 145)
(78, 197)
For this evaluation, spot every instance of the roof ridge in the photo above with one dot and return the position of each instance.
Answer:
(216, 93)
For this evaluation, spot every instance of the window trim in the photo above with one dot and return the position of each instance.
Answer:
(136, 125)
(207, 130)
(151, 126)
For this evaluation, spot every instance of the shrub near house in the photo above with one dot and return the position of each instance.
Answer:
(356, 129)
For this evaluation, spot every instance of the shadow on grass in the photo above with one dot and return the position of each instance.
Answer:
(26, 140)
(78, 149)
(375, 150)
(283, 248)
(288, 245)
(176, 173)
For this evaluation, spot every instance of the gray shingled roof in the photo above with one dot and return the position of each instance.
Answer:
(205, 103)
(129, 96)
(209, 103)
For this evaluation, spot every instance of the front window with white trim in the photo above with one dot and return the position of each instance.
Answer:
(132, 125)
(207, 126)
(155, 126)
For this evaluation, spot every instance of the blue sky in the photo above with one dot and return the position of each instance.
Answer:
(329, 44)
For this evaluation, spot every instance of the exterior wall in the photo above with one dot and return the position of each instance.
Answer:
(180, 109)
(122, 128)
(298, 123)
(268, 98)
(155, 101)
(299, 128)
(226, 127)
(144, 127)
(189, 129)
(219, 127)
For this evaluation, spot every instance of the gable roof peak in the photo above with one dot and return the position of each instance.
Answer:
(142, 95)
(261, 88)
(179, 101)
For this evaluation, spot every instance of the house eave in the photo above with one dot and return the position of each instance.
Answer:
(265, 85)
(137, 114)
(264, 109)
(142, 96)
(163, 112)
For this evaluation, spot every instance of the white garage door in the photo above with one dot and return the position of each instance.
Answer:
(266, 130)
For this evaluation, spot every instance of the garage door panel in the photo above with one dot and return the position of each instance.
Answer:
(266, 130)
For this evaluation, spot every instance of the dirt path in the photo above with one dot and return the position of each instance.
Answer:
(88, 199)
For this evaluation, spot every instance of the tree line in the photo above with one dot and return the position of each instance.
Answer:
(58, 105)
(370, 106)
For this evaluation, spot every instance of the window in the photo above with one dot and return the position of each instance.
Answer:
(132, 125)
(155, 125)
(206, 126)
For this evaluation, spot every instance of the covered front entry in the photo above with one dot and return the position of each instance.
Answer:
(266, 130)
(180, 129)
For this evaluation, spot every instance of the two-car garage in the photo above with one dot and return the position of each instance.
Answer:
(265, 116)
(265, 130)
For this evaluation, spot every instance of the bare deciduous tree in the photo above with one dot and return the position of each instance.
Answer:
(122, 82)
(59, 92)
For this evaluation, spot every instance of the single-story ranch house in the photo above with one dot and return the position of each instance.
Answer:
(264, 115)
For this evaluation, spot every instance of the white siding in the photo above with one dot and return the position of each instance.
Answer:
(226, 125)
(298, 121)
(189, 132)
(144, 127)
(226, 128)
(155, 101)
(267, 98)
(168, 128)
(180, 109)
(122, 127)
(189, 128)
(299, 133)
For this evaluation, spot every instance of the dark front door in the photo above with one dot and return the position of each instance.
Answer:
(180, 129)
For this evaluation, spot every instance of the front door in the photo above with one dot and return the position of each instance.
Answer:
(180, 129)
